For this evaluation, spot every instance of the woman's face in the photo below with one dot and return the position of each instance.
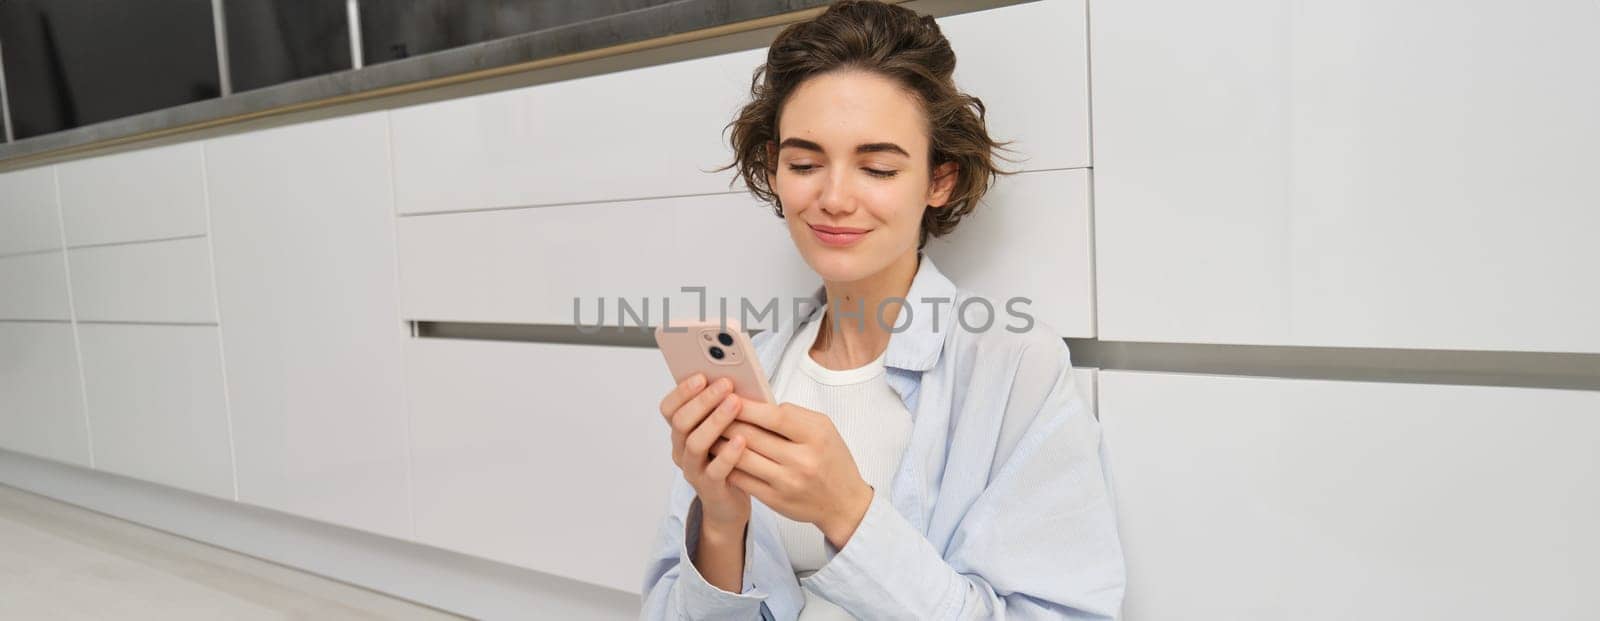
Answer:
(853, 173)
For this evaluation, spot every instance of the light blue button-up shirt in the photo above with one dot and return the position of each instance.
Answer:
(1001, 507)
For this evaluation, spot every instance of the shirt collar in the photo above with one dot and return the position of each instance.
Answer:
(917, 347)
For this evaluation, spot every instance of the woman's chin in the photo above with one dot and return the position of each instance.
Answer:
(839, 264)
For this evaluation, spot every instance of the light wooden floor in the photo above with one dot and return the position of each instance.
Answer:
(58, 561)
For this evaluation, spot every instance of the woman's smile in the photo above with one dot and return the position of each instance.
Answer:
(838, 235)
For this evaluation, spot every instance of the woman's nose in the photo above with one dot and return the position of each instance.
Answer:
(836, 195)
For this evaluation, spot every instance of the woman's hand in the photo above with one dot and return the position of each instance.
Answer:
(799, 465)
(699, 415)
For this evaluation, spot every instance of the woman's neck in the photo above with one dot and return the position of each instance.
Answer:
(860, 335)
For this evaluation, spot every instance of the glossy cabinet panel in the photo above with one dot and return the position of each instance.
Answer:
(1028, 247)
(139, 195)
(1029, 64)
(522, 148)
(28, 218)
(165, 281)
(156, 404)
(41, 395)
(1340, 500)
(304, 243)
(1030, 239)
(550, 457)
(528, 265)
(1316, 174)
(34, 286)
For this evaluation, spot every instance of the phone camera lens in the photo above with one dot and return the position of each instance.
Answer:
(716, 352)
(725, 338)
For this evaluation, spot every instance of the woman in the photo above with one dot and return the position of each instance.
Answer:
(914, 469)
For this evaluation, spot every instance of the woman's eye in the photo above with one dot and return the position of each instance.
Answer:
(807, 168)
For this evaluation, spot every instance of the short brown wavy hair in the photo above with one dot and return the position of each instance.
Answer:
(890, 41)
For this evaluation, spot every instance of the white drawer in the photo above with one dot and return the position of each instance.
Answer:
(605, 137)
(156, 405)
(28, 217)
(527, 265)
(147, 194)
(1352, 174)
(165, 281)
(34, 286)
(1309, 491)
(550, 457)
(41, 395)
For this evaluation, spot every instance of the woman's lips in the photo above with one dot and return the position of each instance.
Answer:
(836, 235)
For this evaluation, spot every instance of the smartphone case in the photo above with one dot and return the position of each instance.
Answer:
(688, 350)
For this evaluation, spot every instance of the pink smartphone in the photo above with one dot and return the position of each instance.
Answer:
(717, 351)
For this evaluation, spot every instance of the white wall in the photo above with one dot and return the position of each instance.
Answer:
(229, 316)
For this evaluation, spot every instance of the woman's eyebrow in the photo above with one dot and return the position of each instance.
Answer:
(872, 147)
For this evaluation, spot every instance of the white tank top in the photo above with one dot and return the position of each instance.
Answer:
(875, 426)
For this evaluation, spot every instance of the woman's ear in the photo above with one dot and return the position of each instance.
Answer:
(942, 184)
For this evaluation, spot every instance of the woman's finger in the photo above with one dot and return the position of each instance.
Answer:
(682, 393)
(695, 409)
(677, 448)
(727, 455)
(773, 446)
(784, 419)
(757, 464)
(750, 484)
(711, 428)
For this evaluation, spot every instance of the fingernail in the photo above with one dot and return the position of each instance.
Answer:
(697, 381)
(724, 384)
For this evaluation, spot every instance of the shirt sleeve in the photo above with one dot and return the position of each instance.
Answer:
(1039, 542)
(675, 589)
